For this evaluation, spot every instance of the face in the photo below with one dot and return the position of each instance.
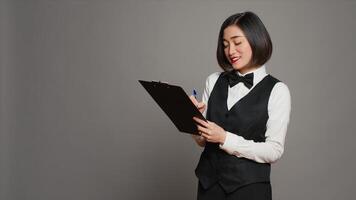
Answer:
(237, 49)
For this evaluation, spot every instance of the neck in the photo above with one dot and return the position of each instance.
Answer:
(246, 70)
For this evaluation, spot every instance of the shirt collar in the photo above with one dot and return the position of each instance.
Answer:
(258, 74)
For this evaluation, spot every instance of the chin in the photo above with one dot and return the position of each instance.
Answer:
(238, 67)
(241, 68)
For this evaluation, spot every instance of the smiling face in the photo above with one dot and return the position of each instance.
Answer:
(237, 49)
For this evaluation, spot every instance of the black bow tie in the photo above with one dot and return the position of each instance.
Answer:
(234, 79)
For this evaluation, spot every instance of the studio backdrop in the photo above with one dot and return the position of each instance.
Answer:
(76, 124)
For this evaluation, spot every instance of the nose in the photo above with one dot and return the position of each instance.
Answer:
(232, 51)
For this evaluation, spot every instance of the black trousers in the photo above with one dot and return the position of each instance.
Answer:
(255, 191)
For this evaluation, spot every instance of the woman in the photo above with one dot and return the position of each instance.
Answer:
(248, 114)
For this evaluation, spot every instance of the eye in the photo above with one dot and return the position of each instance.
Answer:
(225, 46)
(237, 44)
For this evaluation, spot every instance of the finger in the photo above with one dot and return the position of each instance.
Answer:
(201, 109)
(206, 137)
(211, 123)
(202, 122)
(204, 130)
(194, 100)
(200, 105)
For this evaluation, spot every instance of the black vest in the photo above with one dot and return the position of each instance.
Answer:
(247, 118)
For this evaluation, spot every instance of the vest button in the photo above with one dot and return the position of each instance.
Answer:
(227, 115)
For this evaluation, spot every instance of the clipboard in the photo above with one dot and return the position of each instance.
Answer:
(175, 103)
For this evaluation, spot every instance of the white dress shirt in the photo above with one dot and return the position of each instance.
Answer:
(279, 107)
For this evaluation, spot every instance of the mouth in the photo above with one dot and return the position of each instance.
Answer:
(234, 59)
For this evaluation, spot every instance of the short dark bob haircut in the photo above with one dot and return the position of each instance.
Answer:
(255, 33)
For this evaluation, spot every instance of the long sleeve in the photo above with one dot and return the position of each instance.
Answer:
(209, 83)
(279, 107)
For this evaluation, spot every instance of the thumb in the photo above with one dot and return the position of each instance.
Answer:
(194, 100)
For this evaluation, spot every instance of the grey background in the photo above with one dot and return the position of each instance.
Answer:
(75, 123)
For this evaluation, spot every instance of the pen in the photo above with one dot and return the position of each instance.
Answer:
(195, 93)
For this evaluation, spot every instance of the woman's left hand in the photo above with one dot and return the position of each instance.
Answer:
(210, 131)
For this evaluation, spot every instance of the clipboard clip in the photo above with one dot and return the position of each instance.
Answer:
(160, 83)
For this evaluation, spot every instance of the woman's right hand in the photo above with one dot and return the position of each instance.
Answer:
(200, 105)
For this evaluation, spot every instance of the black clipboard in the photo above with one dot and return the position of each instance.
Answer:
(176, 104)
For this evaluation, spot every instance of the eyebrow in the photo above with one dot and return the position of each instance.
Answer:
(233, 37)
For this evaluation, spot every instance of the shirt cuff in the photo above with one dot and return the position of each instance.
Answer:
(228, 145)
